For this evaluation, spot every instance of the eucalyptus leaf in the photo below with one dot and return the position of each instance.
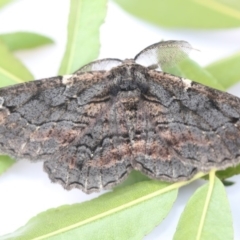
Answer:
(226, 70)
(126, 213)
(5, 163)
(200, 14)
(12, 71)
(85, 19)
(207, 215)
(24, 40)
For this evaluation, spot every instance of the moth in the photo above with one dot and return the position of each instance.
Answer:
(93, 127)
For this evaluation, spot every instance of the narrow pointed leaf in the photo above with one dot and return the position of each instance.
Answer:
(226, 70)
(12, 71)
(5, 163)
(85, 19)
(24, 40)
(126, 213)
(172, 13)
(207, 215)
(191, 70)
(227, 173)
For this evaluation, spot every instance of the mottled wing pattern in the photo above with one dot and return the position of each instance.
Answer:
(73, 124)
(26, 110)
(91, 128)
(188, 128)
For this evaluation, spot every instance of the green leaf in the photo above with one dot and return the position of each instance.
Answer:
(227, 183)
(227, 173)
(134, 177)
(191, 70)
(85, 19)
(5, 2)
(24, 40)
(12, 71)
(186, 13)
(5, 163)
(207, 215)
(226, 70)
(126, 213)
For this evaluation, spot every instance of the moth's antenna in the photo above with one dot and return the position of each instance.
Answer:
(100, 65)
(164, 53)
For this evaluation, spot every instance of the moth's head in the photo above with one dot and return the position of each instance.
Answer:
(129, 76)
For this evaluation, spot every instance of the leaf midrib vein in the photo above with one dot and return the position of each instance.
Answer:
(206, 205)
(10, 75)
(219, 7)
(122, 207)
(78, 15)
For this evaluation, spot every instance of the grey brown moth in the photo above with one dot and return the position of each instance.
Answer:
(111, 116)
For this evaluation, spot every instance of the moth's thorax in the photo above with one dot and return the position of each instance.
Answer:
(130, 76)
(129, 97)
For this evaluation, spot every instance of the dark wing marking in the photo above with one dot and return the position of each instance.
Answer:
(100, 158)
(23, 111)
(153, 154)
(190, 128)
(73, 124)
